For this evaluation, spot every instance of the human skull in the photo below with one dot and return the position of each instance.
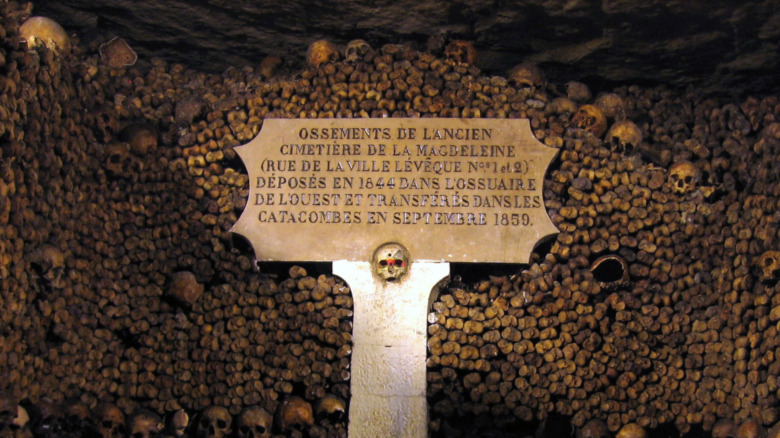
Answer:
(391, 261)
(50, 262)
(8, 410)
(144, 424)
(77, 416)
(769, 263)
(321, 52)
(563, 105)
(724, 428)
(356, 50)
(774, 431)
(118, 158)
(254, 422)
(140, 137)
(268, 66)
(184, 287)
(594, 428)
(330, 409)
(612, 105)
(214, 422)
(177, 423)
(117, 53)
(624, 136)
(189, 109)
(527, 76)
(22, 418)
(109, 421)
(590, 118)
(631, 430)
(461, 52)
(577, 91)
(46, 419)
(106, 124)
(683, 177)
(751, 428)
(42, 31)
(294, 413)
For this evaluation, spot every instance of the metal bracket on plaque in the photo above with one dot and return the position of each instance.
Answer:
(391, 202)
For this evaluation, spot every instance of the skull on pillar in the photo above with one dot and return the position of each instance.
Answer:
(391, 261)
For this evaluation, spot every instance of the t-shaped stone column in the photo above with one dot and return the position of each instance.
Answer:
(389, 335)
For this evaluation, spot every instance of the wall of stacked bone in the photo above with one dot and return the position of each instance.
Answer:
(126, 306)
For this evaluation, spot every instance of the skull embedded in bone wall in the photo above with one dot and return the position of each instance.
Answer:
(254, 422)
(461, 52)
(109, 421)
(321, 52)
(214, 422)
(294, 413)
(769, 266)
(177, 422)
(623, 136)
(683, 177)
(50, 263)
(527, 76)
(330, 410)
(591, 119)
(594, 428)
(355, 51)
(42, 31)
(144, 424)
(118, 159)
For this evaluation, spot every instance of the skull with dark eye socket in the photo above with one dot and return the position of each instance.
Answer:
(254, 422)
(591, 119)
(214, 422)
(144, 424)
(109, 421)
(391, 261)
(330, 410)
(683, 177)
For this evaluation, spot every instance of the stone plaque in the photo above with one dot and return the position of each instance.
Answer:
(454, 190)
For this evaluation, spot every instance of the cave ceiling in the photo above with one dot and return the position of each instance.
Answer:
(722, 47)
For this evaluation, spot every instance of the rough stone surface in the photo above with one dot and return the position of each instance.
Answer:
(721, 46)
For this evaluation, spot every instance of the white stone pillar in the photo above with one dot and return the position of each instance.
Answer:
(389, 335)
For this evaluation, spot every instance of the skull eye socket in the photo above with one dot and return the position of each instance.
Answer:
(688, 179)
(768, 261)
(221, 424)
(391, 262)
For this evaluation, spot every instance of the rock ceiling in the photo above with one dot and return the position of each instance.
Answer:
(726, 47)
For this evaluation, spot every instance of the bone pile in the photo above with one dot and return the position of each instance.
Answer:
(128, 309)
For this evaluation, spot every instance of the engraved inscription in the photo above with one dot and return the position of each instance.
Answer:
(456, 190)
